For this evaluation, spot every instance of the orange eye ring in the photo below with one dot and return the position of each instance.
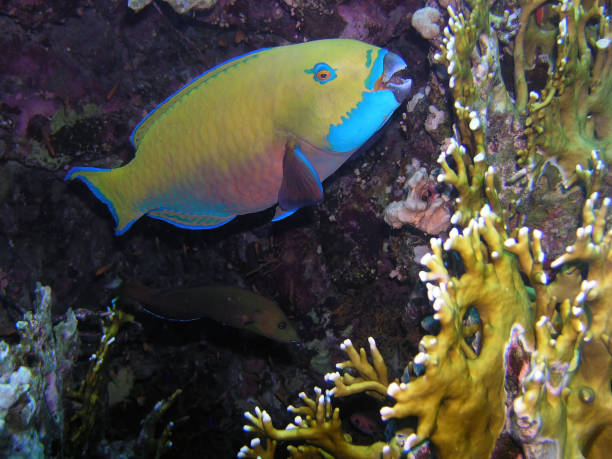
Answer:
(323, 75)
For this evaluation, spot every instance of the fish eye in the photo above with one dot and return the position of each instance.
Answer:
(282, 325)
(322, 72)
(323, 75)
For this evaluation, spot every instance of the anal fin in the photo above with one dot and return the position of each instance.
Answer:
(189, 221)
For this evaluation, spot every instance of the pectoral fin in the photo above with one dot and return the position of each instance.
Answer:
(301, 185)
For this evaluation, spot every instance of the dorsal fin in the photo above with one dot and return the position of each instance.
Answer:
(141, 128)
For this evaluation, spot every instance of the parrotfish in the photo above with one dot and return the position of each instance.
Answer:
(261, 129)
(231, 306)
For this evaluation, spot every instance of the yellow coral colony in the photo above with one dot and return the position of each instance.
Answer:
(572, 115)
(555, 399)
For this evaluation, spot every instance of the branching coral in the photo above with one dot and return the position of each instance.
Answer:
(570, 370)
(459, 400)
(572, 115)
(89, 398)
(82, 422)
(458, 388)
(317, 423)
(516, 354)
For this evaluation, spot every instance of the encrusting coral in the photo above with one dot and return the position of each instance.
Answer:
(516, 354)
(31, 375)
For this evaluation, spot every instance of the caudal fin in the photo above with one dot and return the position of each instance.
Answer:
(106, 185)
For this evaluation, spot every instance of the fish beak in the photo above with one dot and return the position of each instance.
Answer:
(390, 78)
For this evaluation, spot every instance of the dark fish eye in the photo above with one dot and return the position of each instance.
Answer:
(282, 325)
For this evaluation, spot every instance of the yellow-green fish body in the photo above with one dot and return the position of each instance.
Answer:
(228, 305)
(261, 129)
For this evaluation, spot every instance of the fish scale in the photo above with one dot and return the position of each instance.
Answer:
(262, 128)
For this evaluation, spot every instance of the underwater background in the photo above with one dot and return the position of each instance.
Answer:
(495, 345)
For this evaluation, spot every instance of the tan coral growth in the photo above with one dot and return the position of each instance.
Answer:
(423, 207)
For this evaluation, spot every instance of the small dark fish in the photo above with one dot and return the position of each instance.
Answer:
(365, 424)
(232, 306)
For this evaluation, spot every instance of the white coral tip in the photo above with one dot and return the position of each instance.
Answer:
(386, 412)
(519, 406)
(426, 258)
(538, 375)
(393, 390)
(410, 441)
(542, 321)
(542, 278)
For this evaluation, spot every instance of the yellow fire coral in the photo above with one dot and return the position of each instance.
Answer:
(572, 115)
(317, 423)
(516, 354)
(569, 374)
(458, 387)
